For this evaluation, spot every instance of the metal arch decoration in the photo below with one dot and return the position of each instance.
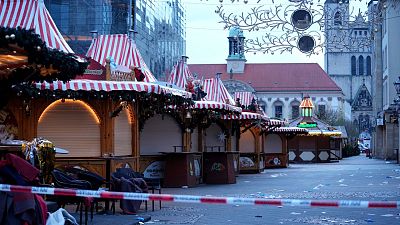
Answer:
(302, 25)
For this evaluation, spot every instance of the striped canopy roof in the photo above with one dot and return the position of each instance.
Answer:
(245, 97)
(122, 49)
(32, 14)
(108, 86)
(216, 91)
(180, 74)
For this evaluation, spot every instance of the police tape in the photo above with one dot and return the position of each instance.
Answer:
(199, 199)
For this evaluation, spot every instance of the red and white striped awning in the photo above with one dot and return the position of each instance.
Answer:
(246, 116)
(100, 85)
(180, 74)
(122, 49)
(245, 98)
(290, 130)
(32, 14)
(216, 91)
(215, 105)
(275, 122)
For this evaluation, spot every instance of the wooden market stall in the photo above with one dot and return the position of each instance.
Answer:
(211, 141)
(220, 156)
(276, 145)
(318, 145)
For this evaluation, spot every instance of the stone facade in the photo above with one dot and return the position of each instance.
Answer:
(350, 67)
(386, 72)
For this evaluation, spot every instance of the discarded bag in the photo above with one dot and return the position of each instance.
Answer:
(61, 217)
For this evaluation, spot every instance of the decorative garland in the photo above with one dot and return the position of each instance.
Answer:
(44, 64)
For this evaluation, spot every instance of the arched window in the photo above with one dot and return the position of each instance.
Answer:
(369, 65)
(295, 109)
(278, 108)
(337, 19)
(360, 65)
(353, 65)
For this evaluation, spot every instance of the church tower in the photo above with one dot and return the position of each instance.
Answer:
(236, 59)
(348, 60)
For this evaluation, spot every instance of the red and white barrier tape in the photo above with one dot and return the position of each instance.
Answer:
(200, 199)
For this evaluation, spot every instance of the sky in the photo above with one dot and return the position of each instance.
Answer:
(206, 39)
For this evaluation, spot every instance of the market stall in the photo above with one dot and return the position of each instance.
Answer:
(318, 145)
(210, 137)
(276, 145)
(220, 160)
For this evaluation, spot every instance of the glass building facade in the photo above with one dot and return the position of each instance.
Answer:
(159, 25)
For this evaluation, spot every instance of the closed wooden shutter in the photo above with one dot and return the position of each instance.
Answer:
(160, 135)
(71, 125)
(122, 134)
(214, 137)
(273, 144)
(247, 142)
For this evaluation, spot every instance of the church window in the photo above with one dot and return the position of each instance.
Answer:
(365, 33)
(337, 19)
(368, 65)
(360, 65)
(353, 65)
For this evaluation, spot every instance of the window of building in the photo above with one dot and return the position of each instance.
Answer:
(321, 110)
(360, 65)
(278, 111)
(353, 65)
(295, 111)
(384, 58)
(369, 65)
(337, 20)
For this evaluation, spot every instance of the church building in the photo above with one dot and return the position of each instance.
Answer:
(349, 63)
(279, 87)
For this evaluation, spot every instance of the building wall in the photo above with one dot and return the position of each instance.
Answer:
(332, 101)
(387, 70)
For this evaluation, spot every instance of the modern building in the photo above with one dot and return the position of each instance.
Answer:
(279, 87)
(348, 60)
(387, 71)
(159, 26)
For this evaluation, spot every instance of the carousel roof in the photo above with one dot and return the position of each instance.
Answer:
(121, 49)
(32, 14)
(321, 128)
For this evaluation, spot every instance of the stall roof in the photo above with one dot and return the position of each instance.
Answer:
(107, 86)
(122, 50)
(290, 130)
(180, 74)
(245, 97)
(32, 14)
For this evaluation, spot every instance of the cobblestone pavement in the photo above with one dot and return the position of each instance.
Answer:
(356, 178)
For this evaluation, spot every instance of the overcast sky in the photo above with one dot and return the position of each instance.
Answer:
(206, 39)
